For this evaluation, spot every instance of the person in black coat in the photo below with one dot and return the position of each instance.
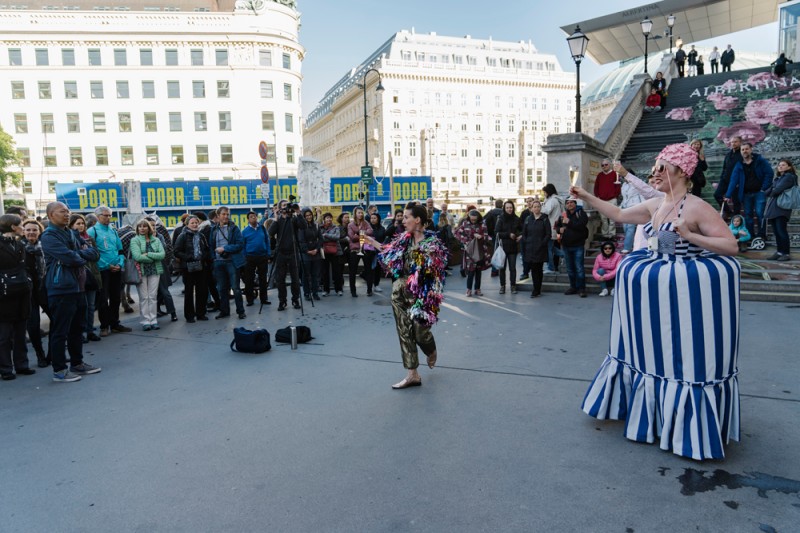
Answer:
(192, 247)
(785, 178)
(507, 228)
(680, 60)
(15, 300)
(732, 158)
(536, 236)
(573, 231)
(698, 178)
(780, 64)
(379, 234)
(309, 240)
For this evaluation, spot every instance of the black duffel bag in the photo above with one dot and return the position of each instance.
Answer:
(250, 341)
(284, 335)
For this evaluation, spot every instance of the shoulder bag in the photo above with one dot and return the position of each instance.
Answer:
(790, 198)
(131, 274)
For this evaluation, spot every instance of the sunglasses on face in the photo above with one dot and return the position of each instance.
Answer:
(658, 169)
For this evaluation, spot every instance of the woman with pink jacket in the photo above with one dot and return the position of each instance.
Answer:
(605, 267)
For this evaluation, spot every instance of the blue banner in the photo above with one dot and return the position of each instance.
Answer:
(88, 196)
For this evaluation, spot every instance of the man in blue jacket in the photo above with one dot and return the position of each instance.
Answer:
(751, 176)
(111, 264)
(256, 255)
(227, 251)
(66, 256)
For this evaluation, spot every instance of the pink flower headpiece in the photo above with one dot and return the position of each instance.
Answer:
(680, 155)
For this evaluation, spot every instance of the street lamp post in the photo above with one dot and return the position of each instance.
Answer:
(577, 42)
(379, 89)
(670, 24)
(647, 25)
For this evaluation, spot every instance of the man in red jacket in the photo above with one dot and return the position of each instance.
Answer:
(606, 188)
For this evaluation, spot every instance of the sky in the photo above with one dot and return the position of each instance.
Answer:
(339, 34)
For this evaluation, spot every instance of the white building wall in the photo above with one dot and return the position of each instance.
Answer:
(447, 119)
(245, 35)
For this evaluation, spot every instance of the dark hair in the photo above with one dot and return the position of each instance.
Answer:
(420, 212)
(603, 247)
(201, 216)
(222, 208)
(398, 211)
(8, 220)
(74, 218)
(509, 202)
(475, 212)
(251, 212)
(341, 217)
(747, 144)
(791, 166)
(375, 214)
(16, 210)
(498, 203)
(326, 215)
(212, 214)
(549, 190)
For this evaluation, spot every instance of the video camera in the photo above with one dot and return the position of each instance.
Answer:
(291, 207)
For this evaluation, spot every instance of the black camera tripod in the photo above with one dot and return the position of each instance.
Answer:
(290, 223)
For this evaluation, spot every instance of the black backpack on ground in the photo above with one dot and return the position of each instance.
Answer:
(284, 335)
(251, 341)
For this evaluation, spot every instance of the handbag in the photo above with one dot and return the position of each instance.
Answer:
(14, 282)
(499, 255)
(250, 341)
(474, 251)
(790, 198)
(330, 247)
(131, 274)
(194, 266)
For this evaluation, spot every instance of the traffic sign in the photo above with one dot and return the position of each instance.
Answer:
(262, 149)
(366, 176)
(265, 191)
(264, 174)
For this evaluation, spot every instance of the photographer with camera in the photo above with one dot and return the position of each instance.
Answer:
(284, 231)
(227, 251)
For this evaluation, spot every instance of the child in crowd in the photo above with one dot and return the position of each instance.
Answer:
(605, 267)
(653, 102)
(739, 231)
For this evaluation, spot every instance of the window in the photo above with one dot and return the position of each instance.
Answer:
(199, 89)
(288, 122)
(94, 57)
(290, 154)
(448, 99)
(152, 155)
(265, 58)
(202, 153)
(42, 58)
(497, 150)
(529, 175)
(197, 57)
(497, 101)
(530, 150)
(96, 89)
(464, 152)
(200, 121)
(49, 154)
(101, 156)
(557, 127)
(223, 89)
(498, 175)
(146, 57)
(221, 56)
(524, 125)
(125, 123)
(406, 55)
(123, 90)
(437, 99)
(464, 175)
(18, 90)
(48, 125)
(177, 155)
(491, 61)
(45, 92)
(68, 57)
(479, 176)
(148, 89)
(120, 57)
(544, 104)
(497, 124)
(477, 100)
(99, 122)
(287, 61)
(267, 121)
(175, 123)
(412, 149)
(20, 123)
(538, 176)
(534, 103)
(73, 123)
(75, 156)
(126, 155)
(171, 57)
(27, 186)
(478, 126)
(173, 89)
(478, 152)
(224, 121)
(226, 153)
(511, 125)
(14, 57)
(555, 105)
(512, 150)
(287, 91)
(511, 102)
(150, 122)
(266, 89)
(397, 148)
(512, 175)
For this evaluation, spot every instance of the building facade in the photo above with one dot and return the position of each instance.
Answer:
(470, 113)
(142, 93)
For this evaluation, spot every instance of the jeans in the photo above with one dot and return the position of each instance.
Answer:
(255, 266)
(13, 353)
(311, 269)
(91, 298)
(474, 276)
(606, 283)
(108, 298)
(754, 204)
(630, 234)
(573, 255)
(195, 294)
(779, 228)
(67, 316)
(164, 296)
(553, 252)
(227, 277)
(511, 261)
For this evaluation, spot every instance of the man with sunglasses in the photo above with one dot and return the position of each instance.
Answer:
(571, 225)
(732, 158)
(608, 188)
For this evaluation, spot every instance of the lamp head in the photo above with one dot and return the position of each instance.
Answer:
(647, 26)
(379, 88)
(577, 42)
(671, 20)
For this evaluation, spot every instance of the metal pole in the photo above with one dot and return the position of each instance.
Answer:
(277, 179)
(645, 53)
(391, 184)
(670, 40)
(578, 98)
(366, 137)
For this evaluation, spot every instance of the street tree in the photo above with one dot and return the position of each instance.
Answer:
(8, 159)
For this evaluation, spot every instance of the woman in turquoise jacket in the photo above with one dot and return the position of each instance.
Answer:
(147, 253)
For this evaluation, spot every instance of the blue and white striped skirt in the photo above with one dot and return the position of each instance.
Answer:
(671, 368)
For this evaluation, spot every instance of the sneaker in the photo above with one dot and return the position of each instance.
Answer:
(129, 310)
(155, 326)
(604, 292)
(502, 290)
(513, 289)
(548, 271)
(8, 377)
(104, 332)
(369, 292)
(524, 277)
(282, 306)
(250, 303)
(774, 257)
(623, 252)
(65, 376)
(242, 316)
(146, 327)
(326, 294)
(119, 328)
(339, 293)
(190, 321)
(84, 369)
(784, 257)
(377, 289)
(571, 291)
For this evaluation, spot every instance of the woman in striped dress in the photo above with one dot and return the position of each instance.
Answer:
(671, 371)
